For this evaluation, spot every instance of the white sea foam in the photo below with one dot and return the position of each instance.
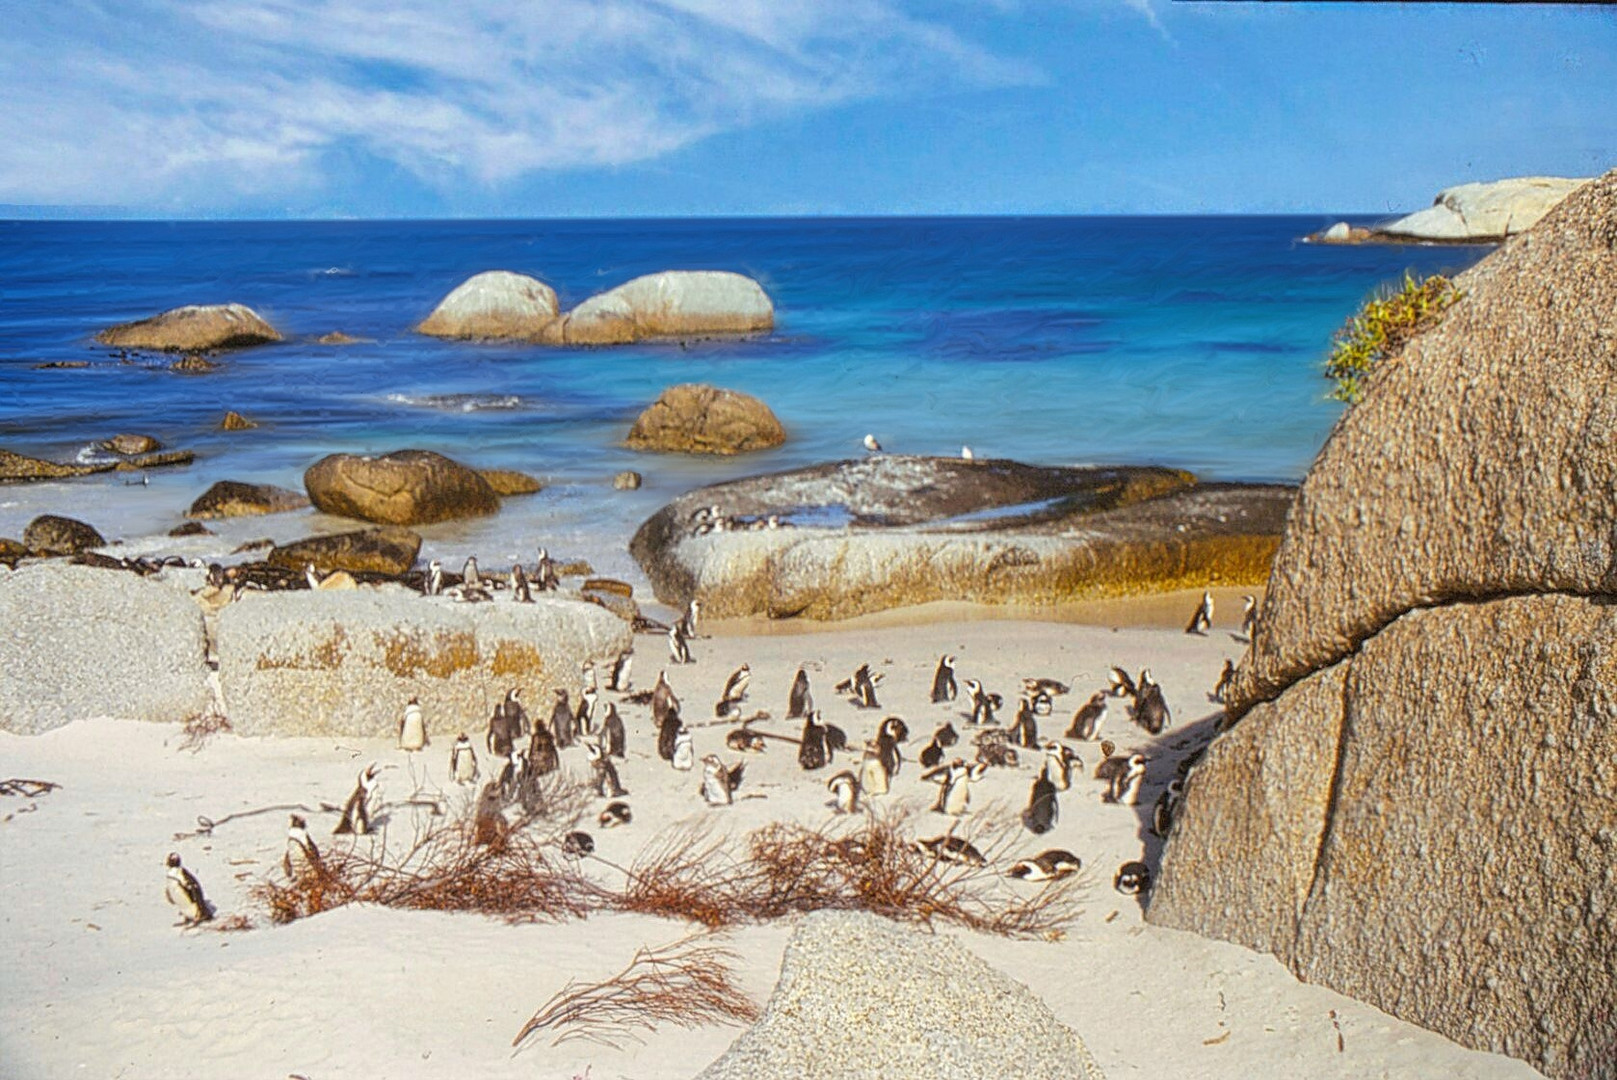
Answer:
(459, 402)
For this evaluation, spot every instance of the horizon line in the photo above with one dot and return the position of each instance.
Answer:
(6, 210)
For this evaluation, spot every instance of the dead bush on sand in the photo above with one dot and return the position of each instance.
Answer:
(688, 983)
(202, 727)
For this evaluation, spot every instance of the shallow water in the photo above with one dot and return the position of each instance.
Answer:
(1188, 342)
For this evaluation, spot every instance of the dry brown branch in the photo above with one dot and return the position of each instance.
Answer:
(687, 983)
(202, 727)
(688, 873)
(28, 789)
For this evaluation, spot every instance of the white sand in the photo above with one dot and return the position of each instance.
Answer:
(98, 982)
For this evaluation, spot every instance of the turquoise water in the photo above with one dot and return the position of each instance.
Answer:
(1189, 342)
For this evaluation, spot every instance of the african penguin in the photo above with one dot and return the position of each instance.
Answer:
(543, 758)
(607, 784)
(844, 789)
(667, 735)
(520, 591)
(463, 761)
(433, 584)
(955, 780)
(1125, 781)
(983, 703)
(663, 702)
(356, 813)
(302, 856)
(1025, 729)
(953, 849)
(612, 732)
(1167, 806)
(544, 573)
(1090, 716)
(684, 758)
(1042, 808)
(1151, 709)
(719, 782)
(874, 777)
(1121, 684)
(1058, 764)
(800, 703)
(615, 814)
(1225, 679)
(1046, 866)
(577, 844)
(1249, 616)
(184, 892)
(412, 728)
(942, 739)
(618, 680)
(1132, 878)
(679, 648)
(871, 445)
(584, 715)
(943, 684)
(561, 720)
(892, 732)
(1202, 620)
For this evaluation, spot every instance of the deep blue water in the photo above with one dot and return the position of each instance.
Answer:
(1194, 342)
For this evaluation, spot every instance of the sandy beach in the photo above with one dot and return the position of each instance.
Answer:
(100, 982)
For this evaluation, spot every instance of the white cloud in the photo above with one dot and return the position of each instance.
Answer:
(212, 102)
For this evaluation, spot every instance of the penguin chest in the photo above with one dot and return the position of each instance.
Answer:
(873, 777)
(413, 736)
(956, 797)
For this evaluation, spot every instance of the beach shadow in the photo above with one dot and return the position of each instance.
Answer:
(1164, 754)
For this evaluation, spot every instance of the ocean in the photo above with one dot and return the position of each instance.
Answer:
(1194, 342)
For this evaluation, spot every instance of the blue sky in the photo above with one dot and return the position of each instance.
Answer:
(424, 108)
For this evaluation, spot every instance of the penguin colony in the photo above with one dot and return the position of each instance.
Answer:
(521, 750)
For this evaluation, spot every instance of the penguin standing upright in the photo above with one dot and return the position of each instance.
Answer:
(801, 702)
(1025, 730)
(618, 678)
(499, 739)
(1042, 809)
(862, 687)
(1249, 616)
(356, 813)
(874, 778)
(684, 758)
(607, 784)
(412, 728)
(812, 753)
(612, 734)
(1202, 620)
(955, 780)
(544, 573)
(521, 592)
(667, 733)
(892, 732)
(1125, 781)
(1151, 709)
(1058, 764)
(719, 783)
(542, 756)
(433, 583)
(1167, 805)
(734, 692)
(679, 646)
(584, 717)
(663, 702)
(463, 761)
(943, 684)
(184, 891)
(1226, 679)
(1090, 716)
(561, 720)
(983, 703)
(302, 856)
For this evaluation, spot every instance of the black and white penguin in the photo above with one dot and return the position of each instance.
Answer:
(1059, 761)
(813, 753)
(719, 782)
(586, 678)
(301, 856)
(734, 692)
(584, 715)
(1202, 620)
(412, 727)
(1167, 806)
(1090, 716)
(544, 577)
(514, 778)
(184, 891)
(952, 849)
(684, 757)
(663, 702)
(612, 733)
(561, 720)
(943, 738)
(861, 687)
(463, 761)
(1132, 878)
(679, 646)
(311, 576)
(1037, 688)
(577, 844)
(618, 678)
(1121, 684)
(994, 748)
(691, 621)
(874, 776)
(943, 684)
(1041, 702)
(1249, 616)
(844, 789)
(983, 703)
(607, 784)
(615, 814)
(520, 590)
(1042, 808)
(871, 445)
(892, 732)
(1151, 709)
(1124, 781)
(499, 739)
(801, 702)
(433, 583)
(955, 780)
(667, 734)
(356, 813)
(543, 758)
(1225, 679)
(1046, 866)
(1025, 729)
(469, 577)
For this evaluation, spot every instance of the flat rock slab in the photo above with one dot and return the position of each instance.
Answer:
(234, 498)
(860, 996)
(344, 663)
(193, 328)
(890, 531)
(78, 642)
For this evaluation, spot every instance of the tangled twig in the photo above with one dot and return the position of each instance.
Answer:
(28, 789)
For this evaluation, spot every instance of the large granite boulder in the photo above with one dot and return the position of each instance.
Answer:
(194, 328)
(508, 482)
(344, 663)
(1481, 462)
(1478, 213)
(840, 1011)
(494, 305)
(670, 304)
(890, 531)
(406, 487)
(694, 418)
(78, 642)
(1417, 802)
(235, 498)
(366, 551)
(51, 534)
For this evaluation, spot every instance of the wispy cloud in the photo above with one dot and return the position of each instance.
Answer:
(218, 102)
